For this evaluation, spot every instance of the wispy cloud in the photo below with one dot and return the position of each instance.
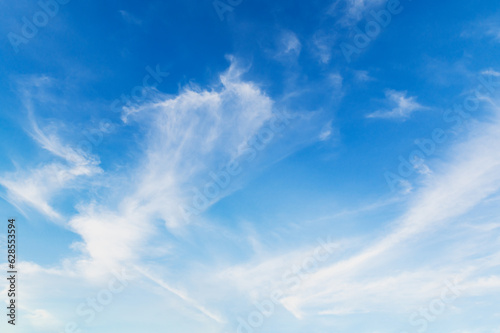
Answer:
(322, 43)
(363, 76)
(469, 178)
(491, 72)
(326, 132)
(352, 10)
(288, 46)
(189, 135)
(485, 27)
(402, 106)
(129, 18)
(36, 187)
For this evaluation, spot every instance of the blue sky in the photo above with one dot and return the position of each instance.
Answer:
(252, 166)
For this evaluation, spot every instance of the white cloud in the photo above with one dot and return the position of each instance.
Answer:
(484, 27)
(322, 45)
(354, 10)
(491, 72)
(326, 132)
(288, 46)
(37, 187)
(359, 7)
(469, 178)
(188, 136)
(494, 30)
(291, 43)
(363, 76)
(403, 106)
(336, 80)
